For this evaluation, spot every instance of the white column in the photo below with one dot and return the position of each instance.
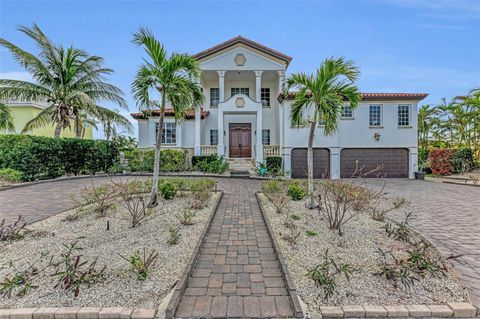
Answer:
(259, 146)
(198, 115)
(258, 85)
(334, 162)
(281, 115)
(221, 85)
(220, 146)
(413, 162)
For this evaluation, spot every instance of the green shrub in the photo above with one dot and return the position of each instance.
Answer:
(271, 186)
(210, 164)
(463, 161)
(143, 160)
(168, 190)
(296, 191)
(173, 160)
(10, 175)
(40, 157)
(274, 164)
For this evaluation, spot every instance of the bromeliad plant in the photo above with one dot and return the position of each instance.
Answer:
(14, 231)
(73, 272)
(141, 264)
(324, 275)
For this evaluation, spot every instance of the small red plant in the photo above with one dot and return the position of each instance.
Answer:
(440, 161)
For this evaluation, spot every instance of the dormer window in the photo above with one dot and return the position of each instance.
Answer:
(245, 91)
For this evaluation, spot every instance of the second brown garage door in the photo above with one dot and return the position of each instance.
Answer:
(394, 161)
(321, 163)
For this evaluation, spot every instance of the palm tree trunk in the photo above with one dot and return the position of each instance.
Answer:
(156, 168)
(311, 136)
(58, 129)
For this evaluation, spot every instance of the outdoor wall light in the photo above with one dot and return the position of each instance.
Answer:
(376, 136)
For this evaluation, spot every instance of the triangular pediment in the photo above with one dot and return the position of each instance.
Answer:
(242, 54)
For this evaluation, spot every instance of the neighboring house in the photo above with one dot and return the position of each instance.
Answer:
(244, 116)
(23, 112)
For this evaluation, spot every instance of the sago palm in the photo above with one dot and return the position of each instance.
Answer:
(327, 91)
(175, 78)
(69, 80)
(6, 119)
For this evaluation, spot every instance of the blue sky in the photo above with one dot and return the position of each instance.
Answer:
(399, 45)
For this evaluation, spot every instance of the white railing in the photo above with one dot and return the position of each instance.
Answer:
(208, 149)
(271, 150)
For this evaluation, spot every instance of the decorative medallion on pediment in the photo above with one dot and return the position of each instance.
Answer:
(240, 59)
(240, 102)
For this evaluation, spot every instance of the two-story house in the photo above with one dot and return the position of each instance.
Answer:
(245, 116)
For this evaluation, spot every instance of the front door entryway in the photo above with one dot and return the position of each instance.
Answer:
(240, 140)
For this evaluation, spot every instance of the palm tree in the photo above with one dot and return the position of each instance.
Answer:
(327, 91)
(176, 80)
(112, 119)
(69, 80)
(6, 119)
(426, 115)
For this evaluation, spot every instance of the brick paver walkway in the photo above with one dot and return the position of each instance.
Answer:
(448, 215)
(237, 274)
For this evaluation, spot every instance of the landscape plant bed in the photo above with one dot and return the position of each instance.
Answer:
(109, 240)
(358, 250)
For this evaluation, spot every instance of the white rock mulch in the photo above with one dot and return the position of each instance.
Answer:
(120, 286)
(358, 247)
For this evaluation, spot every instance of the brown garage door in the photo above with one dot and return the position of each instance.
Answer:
(394, 161)
(321, 162)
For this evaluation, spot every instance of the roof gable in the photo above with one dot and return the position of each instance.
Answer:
(239, 40)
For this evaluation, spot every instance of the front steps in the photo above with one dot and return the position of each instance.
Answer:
(241, 167)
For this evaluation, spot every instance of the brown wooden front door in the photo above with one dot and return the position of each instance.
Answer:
(240, 140)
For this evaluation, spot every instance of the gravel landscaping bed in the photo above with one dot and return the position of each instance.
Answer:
(358, 247)
(119, 285)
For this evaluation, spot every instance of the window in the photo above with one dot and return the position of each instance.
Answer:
(403, 115)
(347, 111)
(214, 96)
(169, 133)
(266, 137)
(321, 121)
(213, 137)
(265, 96)
(375, 115)
(245, 91)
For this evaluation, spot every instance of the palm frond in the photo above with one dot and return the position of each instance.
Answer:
(6, 119)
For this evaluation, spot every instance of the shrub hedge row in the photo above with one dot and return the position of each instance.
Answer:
(445, 161)
(170, 160)
(39, 157)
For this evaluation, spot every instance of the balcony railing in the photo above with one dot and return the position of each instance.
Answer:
(271, 150)
(208, 149)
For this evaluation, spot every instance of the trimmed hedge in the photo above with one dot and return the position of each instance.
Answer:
(170, 160)
(463, 161)
(38, 157)
(210, 164)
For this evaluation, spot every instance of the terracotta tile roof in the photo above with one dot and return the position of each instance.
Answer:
(247, 42)
(377, 96)
(190, 114)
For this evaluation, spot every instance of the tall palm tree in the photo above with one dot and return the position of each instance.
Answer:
(326, 91)
(6, 119)
(175, 78)
(110, 120)
(426, 115)
(69, 80)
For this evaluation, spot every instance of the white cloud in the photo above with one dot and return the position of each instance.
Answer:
(16, 75)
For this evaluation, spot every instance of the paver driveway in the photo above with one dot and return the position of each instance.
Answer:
(448, 215)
